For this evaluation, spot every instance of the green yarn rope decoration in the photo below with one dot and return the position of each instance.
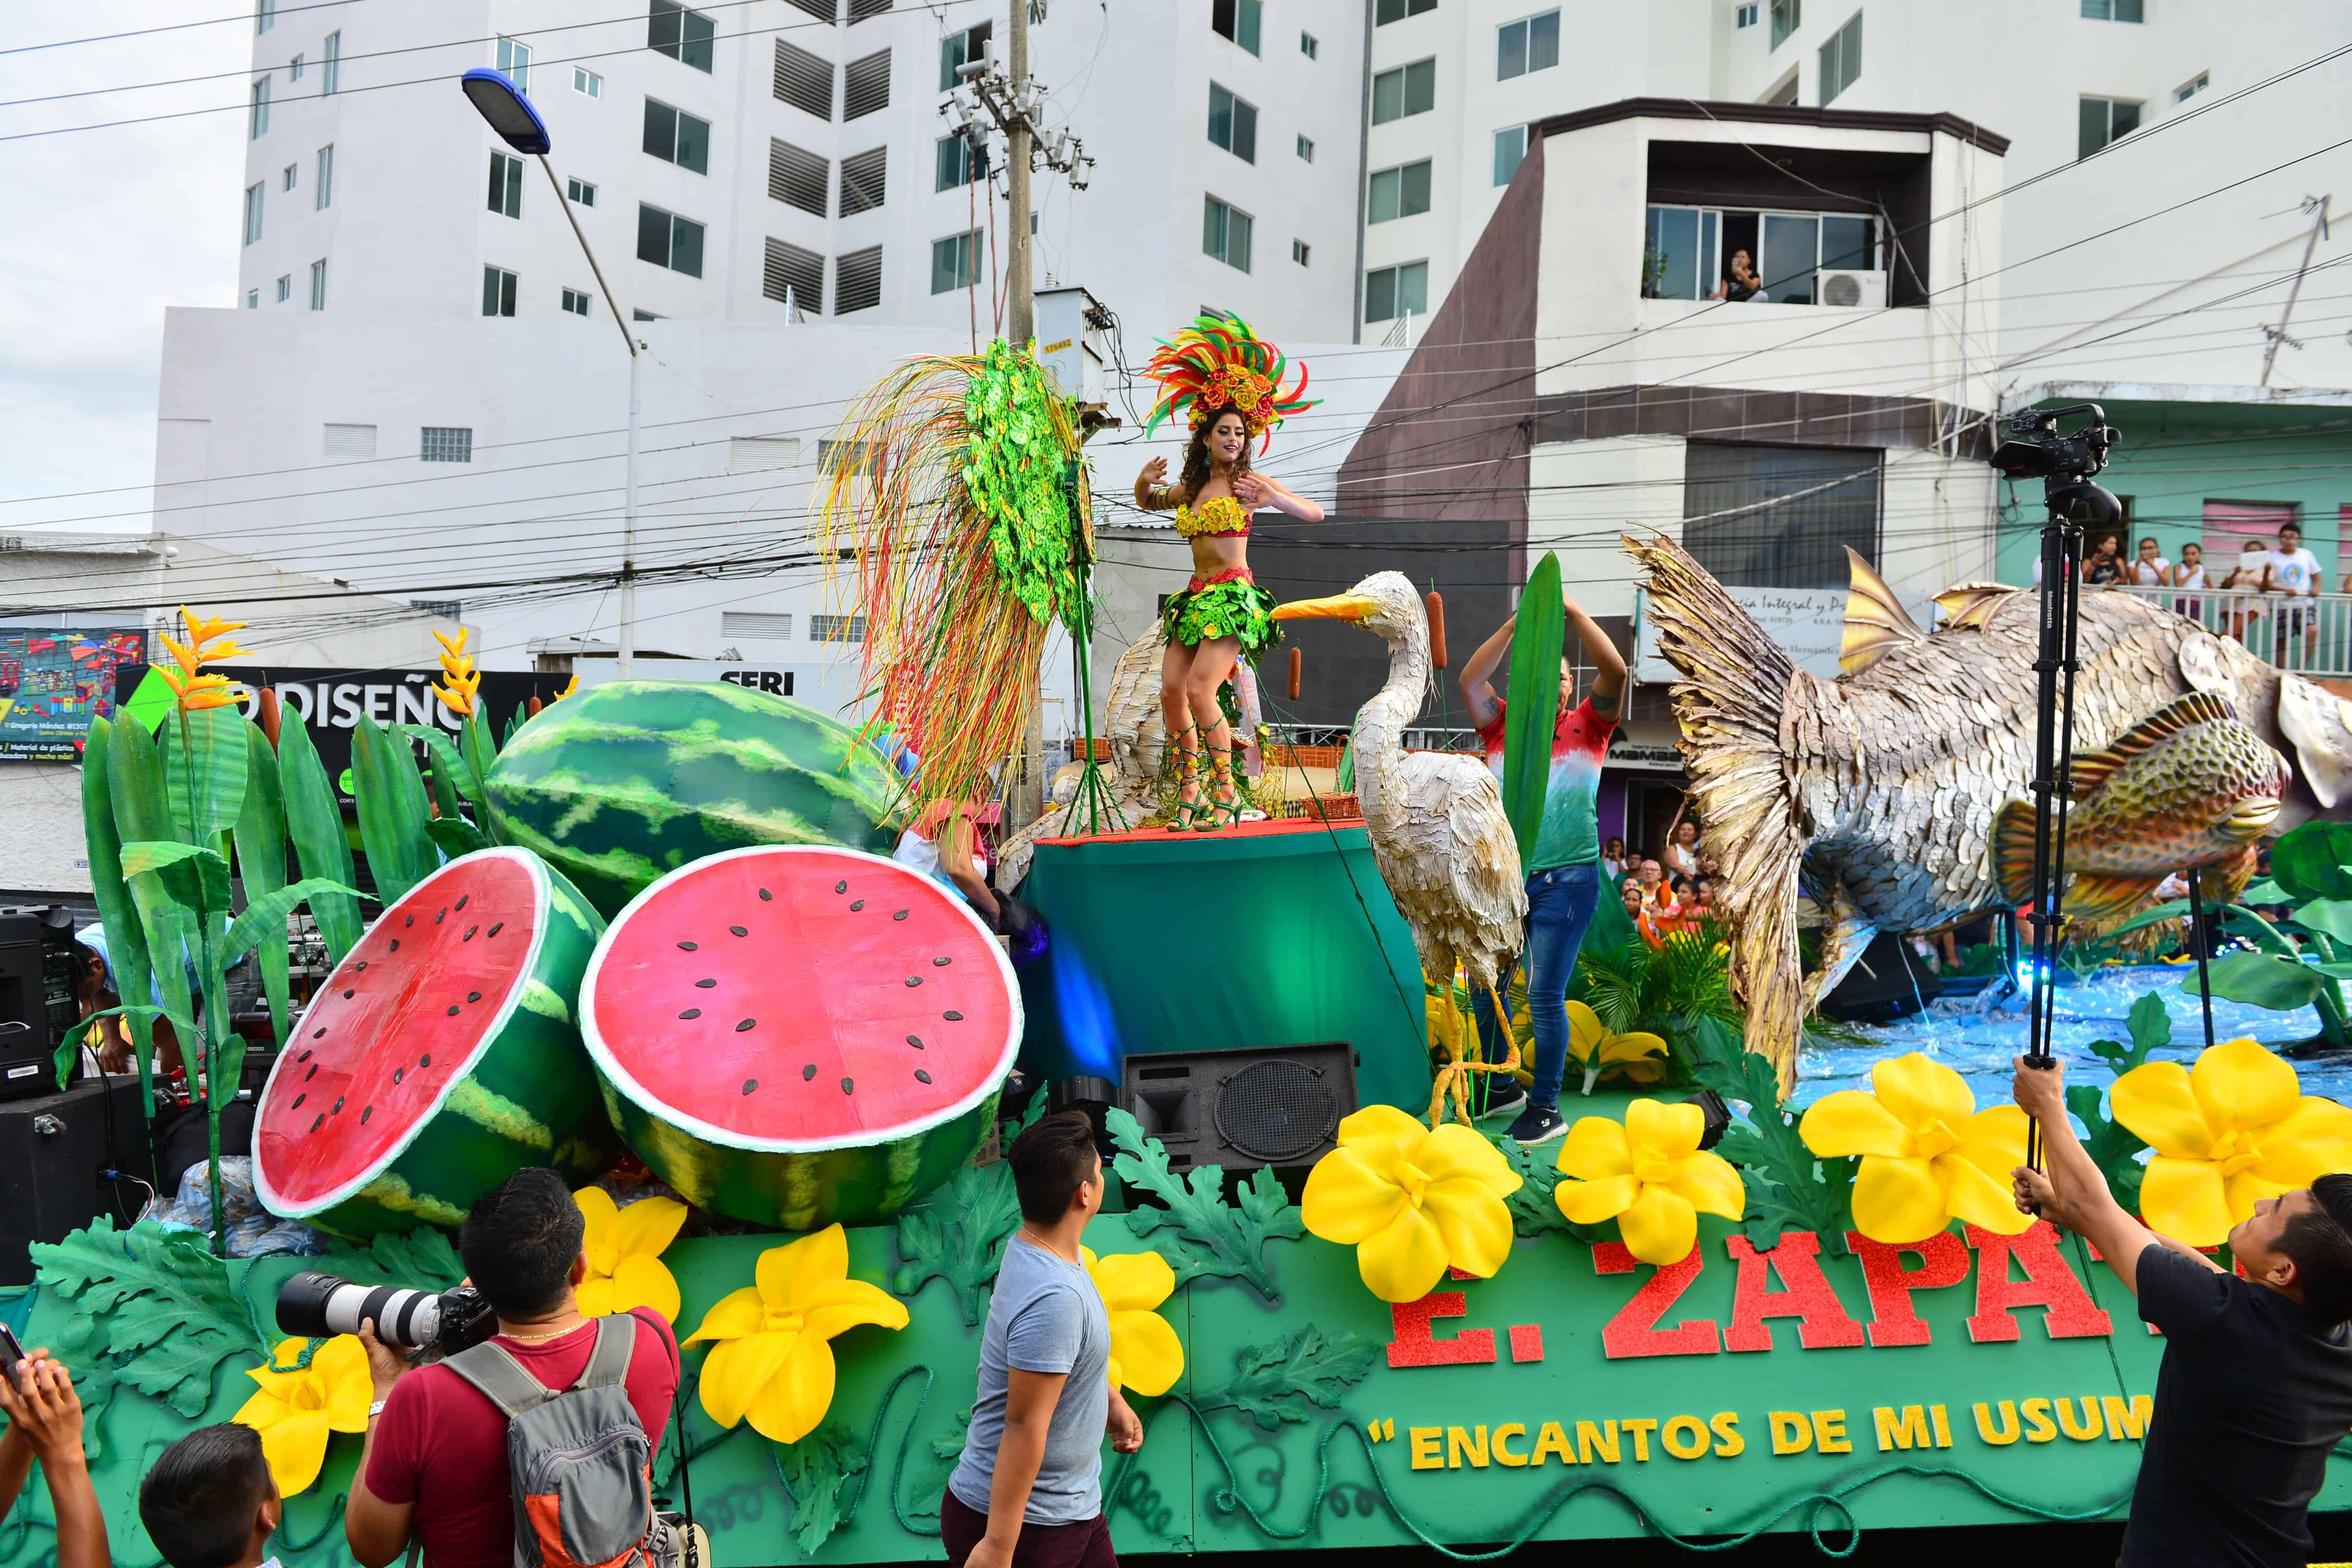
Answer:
(1825, 1512)
(1015, 471)
(872, 1437)
(281, 1540)
(253, 1321)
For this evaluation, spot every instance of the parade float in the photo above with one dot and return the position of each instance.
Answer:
(644, 936)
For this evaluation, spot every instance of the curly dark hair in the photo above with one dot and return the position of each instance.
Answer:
(1195, 472)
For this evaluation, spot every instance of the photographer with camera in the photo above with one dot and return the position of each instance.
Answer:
(44, 1412)
(583, 1402)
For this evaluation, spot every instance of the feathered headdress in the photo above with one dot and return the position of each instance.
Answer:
(1217, 364)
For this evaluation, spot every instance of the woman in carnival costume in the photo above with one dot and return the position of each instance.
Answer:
(1227, 382)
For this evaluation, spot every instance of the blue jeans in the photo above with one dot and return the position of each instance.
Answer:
(1559, 908)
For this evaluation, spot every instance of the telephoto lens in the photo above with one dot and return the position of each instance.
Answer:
(319, 1306)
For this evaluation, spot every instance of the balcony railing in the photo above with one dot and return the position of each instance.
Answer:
(2310, 635)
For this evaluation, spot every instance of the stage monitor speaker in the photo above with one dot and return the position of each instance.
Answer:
(53, 1149)
(1262, 1105)
(1889, 982)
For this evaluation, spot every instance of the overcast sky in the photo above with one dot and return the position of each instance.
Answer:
(106, 228)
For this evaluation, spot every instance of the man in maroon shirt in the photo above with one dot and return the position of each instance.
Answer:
(435, 1460)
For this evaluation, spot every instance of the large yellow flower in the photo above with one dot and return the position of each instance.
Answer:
(624, 1248)
(1650, 1175)
(461, 692)
(1604, 1052)
(1928, 1155)
(773, 1361)
(1145, 1353)
(2232, 1130)
(195, 690)
(294, 1411)
(1412, 1201)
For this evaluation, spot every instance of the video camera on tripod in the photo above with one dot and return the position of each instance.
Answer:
(2035, 450)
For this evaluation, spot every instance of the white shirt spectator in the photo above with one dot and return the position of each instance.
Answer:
(2145, 573)
(2293, 571)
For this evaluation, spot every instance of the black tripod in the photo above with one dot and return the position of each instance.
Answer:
(2064, 464)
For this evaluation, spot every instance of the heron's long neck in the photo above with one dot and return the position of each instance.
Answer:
(1380, 722)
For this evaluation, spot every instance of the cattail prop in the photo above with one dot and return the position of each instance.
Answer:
(1297, 664)
(1435, 604)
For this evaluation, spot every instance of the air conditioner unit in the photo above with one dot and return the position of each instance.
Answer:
(1866, 290)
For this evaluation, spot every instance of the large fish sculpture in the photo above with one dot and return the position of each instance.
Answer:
(1884, 790)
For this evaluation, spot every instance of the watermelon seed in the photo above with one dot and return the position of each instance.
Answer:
(914, 980)
(685, 947)
(299, 1100)
(437, 919)
(849, 1086)
(902, 914)
(473, 995)
(412, 921)
(398, 1073)
(841, 887)
(425, 1061)
(305, 1056)
(469, 933)
(366, 1111)
(347, 996)
(766, 897)
(691, 1013)
(317, 1034)
(746, 1024)
(319, 1121)
(363, 966)
(461, 900)
(855, 905)
(916, 1041)
(953, 1017)
(311, 1074)
(704, 985)
(923, 1077)
(395, 944)
(941, 962)
(749, 1084)
(739, 930)
(453, 1010)
(496, 928)
(339, 1104)
(808, 1072)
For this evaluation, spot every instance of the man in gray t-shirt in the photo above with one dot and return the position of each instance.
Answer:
(1027, 1492)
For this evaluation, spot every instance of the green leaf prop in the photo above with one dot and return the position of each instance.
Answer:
(2315, 860)
(1015, 481)
(454, 835)
(126, 937)
(163, 1308)
(1533, 1211)
(142, 815)
(2331, 916)
(1529, 723)
(1788, 1187)
(2261, 980)
(958, 1234)
(815, 1470)
(1208, 1236)
(447, 767)
(265, 917)
(204, 770)
(391, 810)
(260, 837)
(315, 822)
(1289, 1380)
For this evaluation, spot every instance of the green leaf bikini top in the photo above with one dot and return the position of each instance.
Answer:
(1221, 515)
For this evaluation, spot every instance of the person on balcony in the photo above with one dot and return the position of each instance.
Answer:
(2294, 573)
(1740, 281)
(2246, 577)
(2151, 570)
(2189, 573)
(2105, 567)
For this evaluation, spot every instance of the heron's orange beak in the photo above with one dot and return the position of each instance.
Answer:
(1337, 608)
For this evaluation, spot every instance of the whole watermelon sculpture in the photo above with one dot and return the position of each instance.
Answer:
(632, 779)
(441, 1057)
(799, 1035)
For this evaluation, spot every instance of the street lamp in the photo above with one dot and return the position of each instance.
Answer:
(518, 125)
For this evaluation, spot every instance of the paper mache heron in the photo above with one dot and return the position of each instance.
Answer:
(1435, 819)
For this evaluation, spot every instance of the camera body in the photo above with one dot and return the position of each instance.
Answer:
(318, 1306)
(2035, 450)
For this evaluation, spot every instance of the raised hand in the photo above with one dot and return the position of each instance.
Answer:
(1250, 490)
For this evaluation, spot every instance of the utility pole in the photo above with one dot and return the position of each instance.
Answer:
(2277, 335)
(1021, 304)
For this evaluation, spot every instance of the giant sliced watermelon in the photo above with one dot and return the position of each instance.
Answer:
(634, 778)
(796, 1035)
(441, 1057)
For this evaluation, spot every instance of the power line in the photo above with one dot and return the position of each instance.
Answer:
(171, 27)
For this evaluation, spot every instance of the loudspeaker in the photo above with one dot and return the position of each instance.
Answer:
(1889, 982)
(1261, 1105)
(52, 1150)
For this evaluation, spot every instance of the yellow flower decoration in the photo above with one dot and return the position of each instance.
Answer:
(1412, 1201)
(458, 671)
(624, 1248)
(1649, 1174)
(1146, 1356)
(1606, 1053)
(294, 1411)
(1928, 1155)
(774, 1358)
(570, 687)
(195, 690)
(2233, 1128)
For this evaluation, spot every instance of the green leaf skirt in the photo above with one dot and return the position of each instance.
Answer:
(1228, 609)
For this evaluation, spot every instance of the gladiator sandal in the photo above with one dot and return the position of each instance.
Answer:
(1188, 768)
(1229, 807)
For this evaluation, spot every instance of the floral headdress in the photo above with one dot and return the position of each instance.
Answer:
(1217, 364)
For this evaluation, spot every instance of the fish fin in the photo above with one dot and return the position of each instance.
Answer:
(2319, 725)
(1966, 604)
(2012, 850)
(2089, 770)
(1875, 619)
(1737, 687)
(2235, 875)
(2094, 896)
(1844, 939)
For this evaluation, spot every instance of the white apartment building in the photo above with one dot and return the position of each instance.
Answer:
(721, 162)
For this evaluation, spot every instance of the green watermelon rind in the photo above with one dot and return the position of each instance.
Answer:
(594, 783)
(520, 1099)
(797, 1183)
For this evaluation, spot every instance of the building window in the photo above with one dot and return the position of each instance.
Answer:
(1238, 20)
(1233, 123)
(1401, 191)
(294, 68)
(318, 284)
(796, 277)
(1510, 151)
(256, 117)
(253, 298)
(1389, 11)
(1393, 291)
(252, 212)
(265, 15)
(752, 455)
(840, 458)
(580, 192)
(1842, 59)
(1309, 46)
(684, 36)
(514, 63)
(954, 164)
(2192, 87)
(759, 626)
(285, 287)
(668, 240)
(803, 81)
(823, 10)
(1530, 44)
(1743, 15)
(331, 68)
(497, 291)
(1408, 90)
(2104, 120)
(575, 301)
(347, 441)
(865, 10)
(837, 628)
(446, 444)
(955, 262)
(677, 137)
(2111, 10)
(322, 195)
(797, 177)
(286, 178)
(959, 49)
(587, 83)
(1787, 16)
(1306, 151)
(865, 180)
(866, 85)
(505, 185)
(1687, 251)
(1225, 233)
(1779, 517)
(857, 281)
(1299, 251)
